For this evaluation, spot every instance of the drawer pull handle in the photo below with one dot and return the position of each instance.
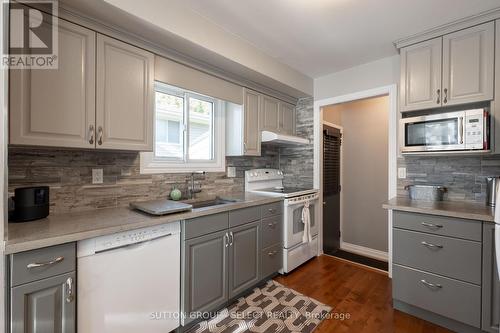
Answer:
(226, 240)
(272, 225)
(434, 246)
(70, 293)
(432, 285)
(272, 253)
(271, 210)
(43, 264)
(431, 225)
(232, 238)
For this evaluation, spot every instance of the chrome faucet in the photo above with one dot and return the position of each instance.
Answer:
(192, 189)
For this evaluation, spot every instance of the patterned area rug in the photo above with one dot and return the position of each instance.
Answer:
(273, 308)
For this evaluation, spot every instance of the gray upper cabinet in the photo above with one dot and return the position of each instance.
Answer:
(468, 65)
(205, 273)
(125, 96)
(44, 306)
(251, 144)
(244, 258)
(57, 107)
(269, 114)
(421, 75)
(457, 68)
(491, 282)
(287, 118)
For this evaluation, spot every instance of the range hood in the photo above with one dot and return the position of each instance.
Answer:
(282, 139)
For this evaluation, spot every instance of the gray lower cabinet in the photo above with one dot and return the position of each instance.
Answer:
(44, 306)
(244, 258)
(205, 267)
(491, 282)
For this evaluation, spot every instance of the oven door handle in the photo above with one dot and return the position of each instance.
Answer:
(301, 202)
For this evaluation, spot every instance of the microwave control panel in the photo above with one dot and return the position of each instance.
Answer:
(474, 131)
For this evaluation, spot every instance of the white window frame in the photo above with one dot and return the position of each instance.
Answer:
(151, 164)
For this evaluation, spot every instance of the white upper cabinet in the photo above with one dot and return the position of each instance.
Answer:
(56, 107)
(468, 65)
(287, 119)
(125, 96)
(269, 114)
(421, 75)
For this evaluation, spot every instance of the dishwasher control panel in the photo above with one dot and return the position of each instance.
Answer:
(125, 238)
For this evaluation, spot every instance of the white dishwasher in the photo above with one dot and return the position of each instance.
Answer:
(130, 281)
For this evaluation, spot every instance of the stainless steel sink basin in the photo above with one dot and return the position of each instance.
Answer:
(211, 203)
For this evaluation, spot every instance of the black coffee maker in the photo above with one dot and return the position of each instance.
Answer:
(29, 204)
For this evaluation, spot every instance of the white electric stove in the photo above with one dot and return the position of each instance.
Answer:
(270, 182)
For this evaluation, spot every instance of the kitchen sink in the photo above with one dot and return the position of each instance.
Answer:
(213, 202)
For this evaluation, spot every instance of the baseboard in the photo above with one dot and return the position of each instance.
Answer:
(364, 251)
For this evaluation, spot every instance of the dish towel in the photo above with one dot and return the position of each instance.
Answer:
(306, 219)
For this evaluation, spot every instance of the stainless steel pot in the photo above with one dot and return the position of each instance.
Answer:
(492, 184)
(426, 192)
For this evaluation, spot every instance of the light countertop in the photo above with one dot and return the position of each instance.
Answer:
(464, 210)
(71, 227)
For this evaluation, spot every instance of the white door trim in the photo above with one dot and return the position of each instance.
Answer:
(391, 91)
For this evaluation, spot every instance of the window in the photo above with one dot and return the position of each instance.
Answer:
(189, 132)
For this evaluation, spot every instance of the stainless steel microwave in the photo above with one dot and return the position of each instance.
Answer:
(462, 130)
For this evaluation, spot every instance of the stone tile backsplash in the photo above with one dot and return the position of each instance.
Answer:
(464, 176)
(68, 172)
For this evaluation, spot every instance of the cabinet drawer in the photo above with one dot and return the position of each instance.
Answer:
(451, 257)
(45, 262)
(245, 215)
(271, 260)
(272, 209)
(204, 225)
(271, 229)
(450, 298)
(438, 225)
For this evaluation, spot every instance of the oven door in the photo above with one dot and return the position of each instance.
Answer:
(434, 133)
(294, 228)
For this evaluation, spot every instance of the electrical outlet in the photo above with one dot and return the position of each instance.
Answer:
(97, 176)
(231, 172)
(402, 173)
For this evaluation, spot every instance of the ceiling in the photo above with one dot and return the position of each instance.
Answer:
(318, 37)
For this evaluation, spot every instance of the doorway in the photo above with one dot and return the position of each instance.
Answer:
(362, 242)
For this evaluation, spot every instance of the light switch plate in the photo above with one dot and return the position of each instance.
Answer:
(231, 172)
(402, 173)
(97, 176)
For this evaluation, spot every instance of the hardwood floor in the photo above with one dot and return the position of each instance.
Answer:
(362, 293)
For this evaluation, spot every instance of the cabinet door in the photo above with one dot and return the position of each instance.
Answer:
(468, 65)
(205, 273)
(125, 96)
(56, 107)
(421, 75)
(243, 257)
(44, 306)
(287, 119)
(270, 114)
(491, 282)
(251, 145)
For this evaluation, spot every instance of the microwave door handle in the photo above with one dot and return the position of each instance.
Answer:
(462, 130)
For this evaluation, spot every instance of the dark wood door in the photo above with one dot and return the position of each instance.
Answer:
(332, 140)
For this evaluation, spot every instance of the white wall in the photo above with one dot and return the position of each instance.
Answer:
(374, 74)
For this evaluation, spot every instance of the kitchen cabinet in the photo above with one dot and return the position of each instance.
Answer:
(269, 114)
(46, 305)
(491, 282)
(57, 107)
(420, 86)
(450, 70)
(243, 136)
(125, 102)
(205, 271)
(101, 96)
(244, 251)
(286, 119)
(468, 65)
(43, 290)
